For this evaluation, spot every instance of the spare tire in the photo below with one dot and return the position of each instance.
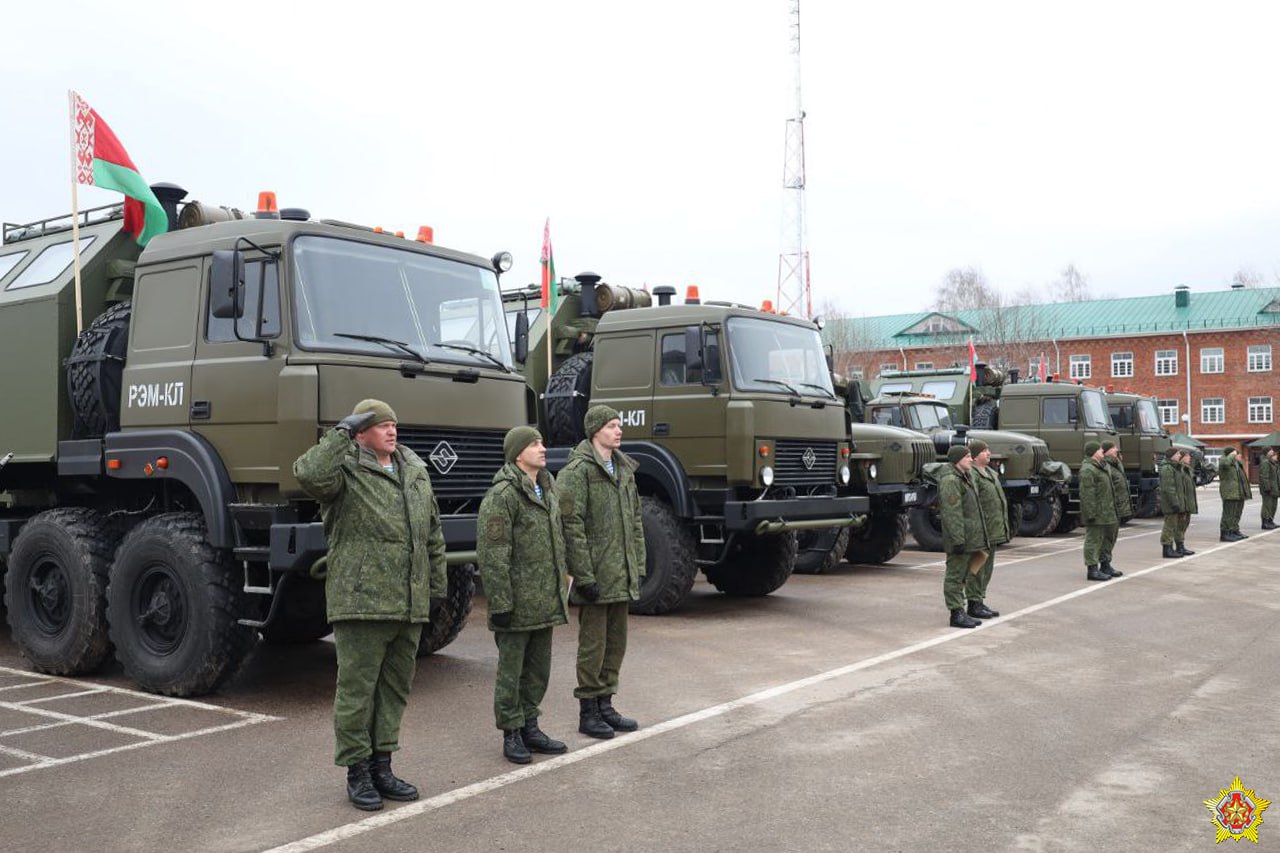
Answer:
(567, 398)
(94, 372)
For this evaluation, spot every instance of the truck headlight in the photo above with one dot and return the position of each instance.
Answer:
(844, 475)
(872, 470)
(1001, 469)
(766, 475)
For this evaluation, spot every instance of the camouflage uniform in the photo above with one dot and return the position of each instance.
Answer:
(1097, 511)
(964, 530)
(604, 543)
(995, 515)
(386, 562)
(1120, 485)
(1190, 505)
(521, 553)
(1233, 486)
(1171, 502)
(1269, 486)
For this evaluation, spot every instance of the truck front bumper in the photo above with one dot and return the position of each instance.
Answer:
(778, 516)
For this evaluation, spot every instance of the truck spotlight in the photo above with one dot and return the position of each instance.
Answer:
(502, 261)
(844, 475)
(766, 475)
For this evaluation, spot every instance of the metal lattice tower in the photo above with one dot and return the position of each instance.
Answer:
(793, 262)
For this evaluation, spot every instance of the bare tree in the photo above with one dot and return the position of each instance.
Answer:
(963, 288)
(1247, 277)
(1070, 286)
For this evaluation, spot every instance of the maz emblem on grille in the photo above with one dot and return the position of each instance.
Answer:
(809, 458)
(443, 457)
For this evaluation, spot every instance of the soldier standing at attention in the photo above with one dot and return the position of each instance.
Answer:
(1169, 499)
(1269, 485)
(604, 542)
(386, 577)
(995, 515)
(521, 555)
(1124, 507)
(1233, 486)
(1097, 511)
(964, 533)
(1190, 505)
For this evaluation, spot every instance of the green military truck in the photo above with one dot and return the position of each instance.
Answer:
(150, 504)
(1143, 442)
(728, 410)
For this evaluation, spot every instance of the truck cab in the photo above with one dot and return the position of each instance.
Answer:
(1143, 442)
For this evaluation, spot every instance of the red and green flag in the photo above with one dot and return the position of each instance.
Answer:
(101, 161)
(550, 296)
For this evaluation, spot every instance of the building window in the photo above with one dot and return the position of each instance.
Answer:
(1033, 367)
(1168, 411)
(1121, 364)
(1259, 410)
(924, 365)
(1081, 368)
(1213, 410)
(885, 368)
(1211, 360)
(857, 373)
(1166, 362)
(1260, 358)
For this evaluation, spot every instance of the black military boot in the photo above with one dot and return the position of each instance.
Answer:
(1171, 551)
(590, 722)
(1268, 525)
(979, 610)
(385, 781)
(1107, 569)
(960, 619)
(615, 721)
(1184, 550)
(513, 748)
(1240, 535)
(1094, 574)
(360, 788)
(539, 741)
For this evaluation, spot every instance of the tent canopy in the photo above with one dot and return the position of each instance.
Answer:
(1184, 439)
(1269, 440)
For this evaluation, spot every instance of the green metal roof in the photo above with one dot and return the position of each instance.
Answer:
(1221, 309)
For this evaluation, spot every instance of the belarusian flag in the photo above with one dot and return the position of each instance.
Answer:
(549, 295)
(102, 161)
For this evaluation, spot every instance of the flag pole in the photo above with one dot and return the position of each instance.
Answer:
(75, 215)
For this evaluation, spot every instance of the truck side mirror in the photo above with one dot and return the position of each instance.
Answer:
(226, 285)
(522, 337)
(830, 352)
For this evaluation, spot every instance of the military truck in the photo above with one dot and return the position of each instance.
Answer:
(1143, 442)
(727, 409)
(150, 503)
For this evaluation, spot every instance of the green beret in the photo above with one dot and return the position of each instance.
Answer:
(1172, 451)
(597, 416)
(1107, 445)
(518, 438)
(976, 446)
(1227, 451)
(1091, 447)
(956, 453)
(379, 408)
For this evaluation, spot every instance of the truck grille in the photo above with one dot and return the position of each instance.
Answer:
(462, 462)
(798, 463)
(1041, 455)
(922, 451)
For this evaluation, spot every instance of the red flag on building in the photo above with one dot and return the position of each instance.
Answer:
(973, 361)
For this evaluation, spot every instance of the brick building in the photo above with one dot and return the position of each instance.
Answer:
(1208, 357)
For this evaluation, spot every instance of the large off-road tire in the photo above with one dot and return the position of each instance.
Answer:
(879, 540)
(173, 604)
(1041, 517)
(300, 615)
(567, 399)
(986, 415)
(819, 551)
(1015, 519)
(1147, 505)
(926, 527)
(94, 373)
(453, 616)
(56, 590)
(755, 565)
(1069, 521)
(670, 561)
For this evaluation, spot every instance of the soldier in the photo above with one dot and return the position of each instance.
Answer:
(1169, 498)
(1190, 505)
(995, 515)
(1097, 512)
(1124, 507)
(604, 547)
(385, 578)
(1269, 485)
(521, 555)
(964, 533)
(1233, 486)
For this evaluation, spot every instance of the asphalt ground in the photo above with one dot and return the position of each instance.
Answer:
(839, 713)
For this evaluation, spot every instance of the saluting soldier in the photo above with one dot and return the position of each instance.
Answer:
(964, 532)
(995, 515)
(1233, 486)
(385, 578)
(1169, 499)
(1190, 504)
(1269, 486)
(1097, 512)
(604, 542)
(1124, 506)
(521, 554)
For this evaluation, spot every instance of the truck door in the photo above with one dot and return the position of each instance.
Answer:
(687, 416)
(156, 384)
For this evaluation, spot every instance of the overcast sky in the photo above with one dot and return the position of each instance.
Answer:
(1136, 140)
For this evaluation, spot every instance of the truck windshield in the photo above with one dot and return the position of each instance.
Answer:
(764, 353)
(927, 416)
(887, 416)
(1094, 406)
(1148, 418)
(439, 307)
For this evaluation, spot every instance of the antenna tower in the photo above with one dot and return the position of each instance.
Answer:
(793, 262)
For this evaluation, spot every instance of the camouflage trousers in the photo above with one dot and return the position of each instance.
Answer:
(1099, 539)
(954, 580)
(1231, 512)
(376, 663)
(524, 668)
(1184, 521)
(975, 586)
(1171, 533)
(1268, 507)
(602, 642)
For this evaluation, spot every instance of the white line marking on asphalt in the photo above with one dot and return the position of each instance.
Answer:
(484, 786)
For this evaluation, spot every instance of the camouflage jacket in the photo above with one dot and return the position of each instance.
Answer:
(1188, 481)
(603, 535)
(1170, 495)
(964, 528)
(386, 546)
(1233, 485)
(1120, 486)
(520, 549)
(995, 506)
(1097, 494)
(1269, 478)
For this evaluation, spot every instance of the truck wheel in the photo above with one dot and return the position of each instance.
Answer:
(986, 415)
(1040, 517)
(819, 551)
(670, 567)
(755, 565)
(1148, 505)
(56, 590)
(1015, 519)
(926, 527)
(94, 371)
(300, 615)
(567, 399)
(879, 540)
(457, 607)
(173, 604)
(1069, 522)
